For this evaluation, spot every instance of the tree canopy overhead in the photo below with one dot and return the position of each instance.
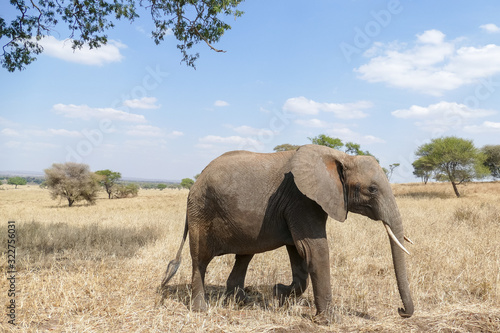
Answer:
(190, 21)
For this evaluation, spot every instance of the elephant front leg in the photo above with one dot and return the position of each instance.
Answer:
(236, 281)
(316, 254)
(299, 277)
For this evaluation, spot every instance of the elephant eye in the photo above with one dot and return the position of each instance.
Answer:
(373, 189)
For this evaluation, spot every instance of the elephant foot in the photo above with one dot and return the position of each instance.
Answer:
(282, 292)
(321, 319)
(327, 318)
(199, 304)
(238, 295)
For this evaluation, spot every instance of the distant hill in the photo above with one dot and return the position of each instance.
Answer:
(37, 174)
(21, 173)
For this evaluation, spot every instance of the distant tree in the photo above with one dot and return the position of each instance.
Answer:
(325, 140)
(392, 167)
(16, 181)
(161, 187)
(196, 176)
(423, 168)
(125, 191)
(187, 183)
(386, 171)
(492, 161)
(108, 180)
(73, 182)
(351, 148)
(285, 147)
(455, 160)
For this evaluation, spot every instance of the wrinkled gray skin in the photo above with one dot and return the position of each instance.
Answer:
(246, 203)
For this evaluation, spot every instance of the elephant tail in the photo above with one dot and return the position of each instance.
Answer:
(173, 265)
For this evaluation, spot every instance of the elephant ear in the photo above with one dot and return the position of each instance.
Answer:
(318, 172)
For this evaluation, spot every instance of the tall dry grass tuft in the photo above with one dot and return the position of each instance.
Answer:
(98, 268)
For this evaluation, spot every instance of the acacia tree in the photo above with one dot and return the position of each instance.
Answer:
(350, 148)
(108, 180)
(423, 168)
(454, 159)
(72, 181)
(16, 181)
(325, 140)
(492, 161)
(191, 22)
(392, 167)
(187, 183)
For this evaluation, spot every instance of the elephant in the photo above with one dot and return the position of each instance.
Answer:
(245, 203)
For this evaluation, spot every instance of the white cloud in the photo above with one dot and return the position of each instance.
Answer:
(435, 37)
(85, 112)
(485, 127)
(490, 27)
(143, 103)
(6, 122)
(45, 133)
(12, 144)
(252, 131)
(62, 49)
(230, 142)
(314, 123)
(146, 131)
(346, 135)
(431, 66)
(144, 144)
(220, 103)
(303, 106)
(175, 134)
(442, 109)
(10, 132)
(64, 132)
(441, 116)
(37, 146)
(30, 146)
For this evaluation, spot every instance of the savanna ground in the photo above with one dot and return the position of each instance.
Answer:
(97, 268)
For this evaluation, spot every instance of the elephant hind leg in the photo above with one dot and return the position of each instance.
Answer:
(236, 281)
(299, 276)
(198, 285)
(201, 255)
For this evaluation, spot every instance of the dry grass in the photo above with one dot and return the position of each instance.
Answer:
(97, 268)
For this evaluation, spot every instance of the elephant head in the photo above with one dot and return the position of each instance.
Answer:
(330, 177)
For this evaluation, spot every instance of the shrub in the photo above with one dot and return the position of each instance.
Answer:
(126, 191)
(72, 181)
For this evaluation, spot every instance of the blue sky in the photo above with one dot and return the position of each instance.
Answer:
(389, 75)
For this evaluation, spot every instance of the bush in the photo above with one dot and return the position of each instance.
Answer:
(72, 181)
(126, 191)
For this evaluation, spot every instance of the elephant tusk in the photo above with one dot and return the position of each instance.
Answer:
(409, 240)
(393, 237)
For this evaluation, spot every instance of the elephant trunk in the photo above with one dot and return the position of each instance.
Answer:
(399, 260)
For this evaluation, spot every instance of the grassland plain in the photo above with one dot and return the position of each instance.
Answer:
(97, 268)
